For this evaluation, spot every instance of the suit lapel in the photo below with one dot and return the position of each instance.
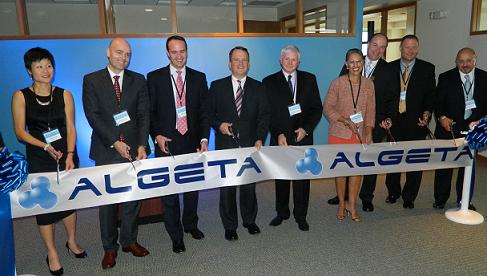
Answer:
(127, 83)
(107, 84)
(230, 98)
(299, 84)
(166, 85)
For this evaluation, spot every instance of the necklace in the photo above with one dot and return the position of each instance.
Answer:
(37, 96)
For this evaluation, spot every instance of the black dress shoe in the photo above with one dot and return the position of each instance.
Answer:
(303, 225)
(334, 201)
(408, 205)
(277, 220)
(367, 206)
(439, 205)
(54, 272)
(81, 255)
(195, 233)
(178, 246)
(252, 228)
(231, 235)
(391, 199)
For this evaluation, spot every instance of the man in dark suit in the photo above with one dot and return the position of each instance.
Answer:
(414, 86)
(240, 116)
(376, 69)
(295, 111)
(461, 100)
(179, 125)
(116, 105)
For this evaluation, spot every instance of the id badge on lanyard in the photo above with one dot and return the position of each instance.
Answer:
(121, 118)
(52, 135)
(357, 117)
(294, 109)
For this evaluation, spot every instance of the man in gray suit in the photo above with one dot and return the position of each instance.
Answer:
(116, 105)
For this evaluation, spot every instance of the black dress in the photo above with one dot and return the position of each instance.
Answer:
(38, 118)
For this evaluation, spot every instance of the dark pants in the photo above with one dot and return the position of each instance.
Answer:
(109, 219)
(443, 179)
(180, 144)
(300, 198)
(228, 205)
(369, 181)
(413, 179)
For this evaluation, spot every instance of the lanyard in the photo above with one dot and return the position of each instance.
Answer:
(179, 94)
(355, 101)
(469, 89)
(406, 81)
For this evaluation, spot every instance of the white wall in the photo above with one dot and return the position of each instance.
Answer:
(441, 39)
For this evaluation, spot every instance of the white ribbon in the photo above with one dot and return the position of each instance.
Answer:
(95, 186)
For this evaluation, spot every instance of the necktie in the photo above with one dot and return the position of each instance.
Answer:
(116, 87)
(404, 87)
(368, 67)
(290, 83)
(468, 85)
(239, 97)
(181, 123)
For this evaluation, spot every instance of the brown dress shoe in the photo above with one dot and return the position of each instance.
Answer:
(136, 249)
(109, 259)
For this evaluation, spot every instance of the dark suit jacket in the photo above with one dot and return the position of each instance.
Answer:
(253, 123)
(384, 93)
(419, 98)
(307, 95)
(451, 101)
(100, 104)
(163, 107)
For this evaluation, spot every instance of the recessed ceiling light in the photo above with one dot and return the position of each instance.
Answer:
(148, 10)
(163, 18)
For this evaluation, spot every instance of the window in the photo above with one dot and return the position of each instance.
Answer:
(8, 18)
(395, 21)
(48, 18)
(479, 17)
(208, 17)
(150, 19)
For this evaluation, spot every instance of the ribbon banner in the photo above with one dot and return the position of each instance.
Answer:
(95, 186)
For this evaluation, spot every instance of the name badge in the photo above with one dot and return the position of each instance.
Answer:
(181, 112)
(294, 109)
(357, 117)
(470, 104)
(51, 136)
(121, 118)
(402, 97)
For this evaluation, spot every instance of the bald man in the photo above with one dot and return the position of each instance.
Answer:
(116, 104)
(461, 100)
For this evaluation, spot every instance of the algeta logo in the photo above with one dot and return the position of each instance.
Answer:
(309, 163)
(39, 194)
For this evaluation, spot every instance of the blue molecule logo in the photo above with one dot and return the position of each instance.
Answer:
(309, 162)
(39, 194)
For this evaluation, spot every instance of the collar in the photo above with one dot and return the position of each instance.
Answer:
(294, 75)
(471, 75)
(242, 80)
(173, 71)
(113, 74)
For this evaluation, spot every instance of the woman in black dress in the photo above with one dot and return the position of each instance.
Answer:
(44, 120)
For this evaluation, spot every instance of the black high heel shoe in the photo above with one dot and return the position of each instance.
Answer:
(55, 272)
(81, 255)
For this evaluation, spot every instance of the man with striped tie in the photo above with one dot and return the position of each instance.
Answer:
(240, 116)
(461, 100)
(179, 125)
